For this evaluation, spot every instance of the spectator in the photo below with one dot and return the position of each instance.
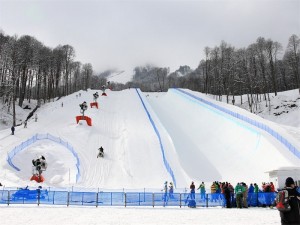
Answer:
(202, 190)
(292, 217)
(165, 189)
(272, 187)
(251, 189)
(192, 187)
(227, 195)
(213, 191)
(171, 190)
(245, 195)
(239, 195)
(12, 130)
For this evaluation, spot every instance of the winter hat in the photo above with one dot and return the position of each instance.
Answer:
(289, 181)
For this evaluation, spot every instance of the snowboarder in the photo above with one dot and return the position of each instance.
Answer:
(101, 152)
(12, 130)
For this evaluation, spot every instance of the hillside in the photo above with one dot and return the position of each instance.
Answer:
(141, 134)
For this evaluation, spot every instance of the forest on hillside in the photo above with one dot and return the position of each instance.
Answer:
(31, 70)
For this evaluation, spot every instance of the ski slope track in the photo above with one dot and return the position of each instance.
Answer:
(213, 145)
(144, 136)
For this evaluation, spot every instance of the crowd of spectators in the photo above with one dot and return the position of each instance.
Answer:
(239, 195)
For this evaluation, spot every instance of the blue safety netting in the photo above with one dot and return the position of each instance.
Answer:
(36, 138)
(166, 163)
(257, 124)
(47, 197)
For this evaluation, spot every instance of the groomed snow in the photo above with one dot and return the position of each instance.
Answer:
(199, 143)
(45, 215)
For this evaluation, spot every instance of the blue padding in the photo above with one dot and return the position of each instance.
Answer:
(167, 165)
(44, 196)
(257, 124)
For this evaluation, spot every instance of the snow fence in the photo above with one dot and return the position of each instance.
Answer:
(161, 199)
(257, 124)
(39, 137)
(166, 163)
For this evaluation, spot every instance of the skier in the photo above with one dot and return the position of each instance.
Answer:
(25, 124)
(101, 152)
(35, 118)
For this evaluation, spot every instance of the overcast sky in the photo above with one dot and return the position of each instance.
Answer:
(123, 34)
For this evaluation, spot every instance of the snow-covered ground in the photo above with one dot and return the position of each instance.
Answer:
(12, 215)
(199, 143)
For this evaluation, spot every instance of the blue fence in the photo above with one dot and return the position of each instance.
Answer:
(166, 163)
(257, 124)
(26, 196)
(36, 138)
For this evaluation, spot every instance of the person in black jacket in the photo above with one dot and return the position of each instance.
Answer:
(227, 195)
(292, 217)
(12, 130)
(192, 187)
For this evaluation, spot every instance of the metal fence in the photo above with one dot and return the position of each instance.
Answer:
(46, 197)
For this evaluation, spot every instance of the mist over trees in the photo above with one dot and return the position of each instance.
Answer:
(31, 70)
(261, 68)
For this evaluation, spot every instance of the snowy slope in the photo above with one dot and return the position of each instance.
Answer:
(199, 143)
(212, 145)
(132, 152)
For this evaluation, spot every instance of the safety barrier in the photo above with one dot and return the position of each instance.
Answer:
(38, 137)
(166, 163)
(25, 196)
(257, 124)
